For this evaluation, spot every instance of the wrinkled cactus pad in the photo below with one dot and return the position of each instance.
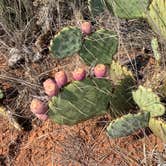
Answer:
(129, 9)
(148, 101)
(128, 124)
(67, 42)
(99, 47)
(96, 7)
(80, 100)
(156, 16)
(158, 127)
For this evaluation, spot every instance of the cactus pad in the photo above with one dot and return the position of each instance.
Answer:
(99, 47)
(80, 101)
(148, 101)
(121, 98)
(118, 72)
(158, 127)
(129, 9)
(96, 7)
(67, 42)
(156, 16)
(128, 124)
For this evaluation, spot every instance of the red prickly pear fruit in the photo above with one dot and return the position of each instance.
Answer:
(50, 87)
(86, 28)
(79, 74)
(61, 78)
(38, 107)
(100, 70)
(42, 116)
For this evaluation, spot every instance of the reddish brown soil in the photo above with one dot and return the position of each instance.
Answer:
(82, 144)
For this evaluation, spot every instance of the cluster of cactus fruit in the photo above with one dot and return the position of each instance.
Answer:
(56, 91)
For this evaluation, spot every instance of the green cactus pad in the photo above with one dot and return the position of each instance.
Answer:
(148, 101)
(118, 72)
(80, 101)
(129, 9)
(121, 99)
(99, 47)
(128, 124)
(67, 42)
(156, 16)
(96, 7)
(158, 127)
(1, 94)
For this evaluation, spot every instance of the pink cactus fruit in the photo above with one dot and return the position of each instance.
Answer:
(79, 74)
(42, 116)
(50, 87)
(61, 78)
(86, 28)
(100, 70)
(38, 107)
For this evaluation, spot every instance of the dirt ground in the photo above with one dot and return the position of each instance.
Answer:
(81, 145)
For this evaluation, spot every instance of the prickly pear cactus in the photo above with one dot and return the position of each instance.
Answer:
(128, 124)
(158, 127)
(67, 42)
(80, 101)
(148, 101)
(129, 9)
(156, 16)
(99, 47)
(96, 7)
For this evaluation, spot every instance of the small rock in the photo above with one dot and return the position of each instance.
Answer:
(37, 57)
(15, 57)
